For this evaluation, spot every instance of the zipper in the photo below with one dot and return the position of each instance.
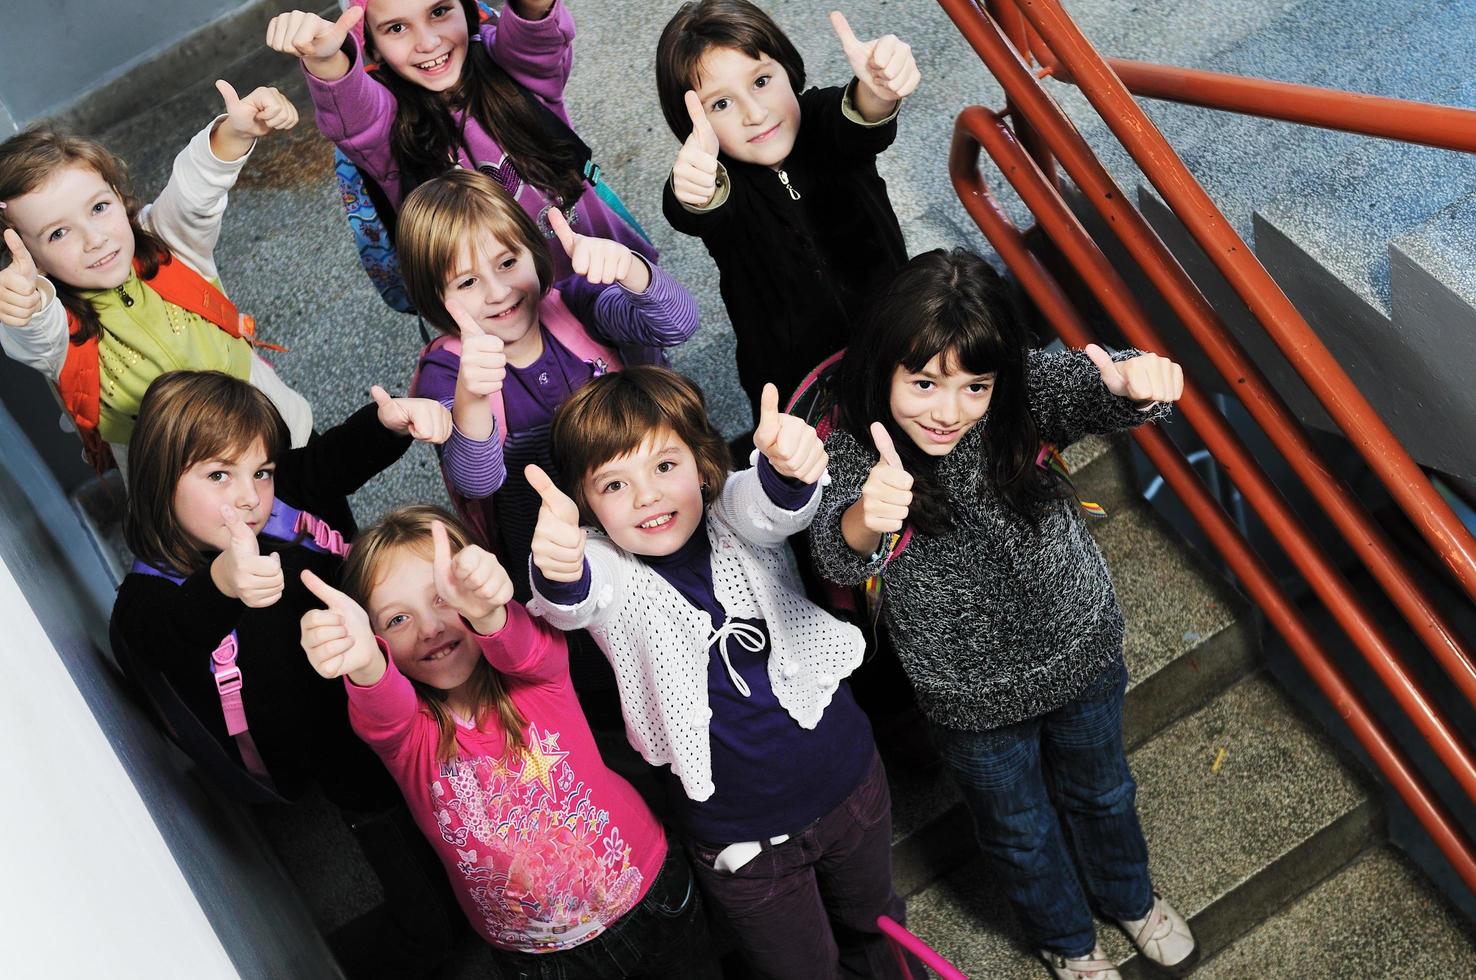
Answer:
(794, 195)
(123, 295)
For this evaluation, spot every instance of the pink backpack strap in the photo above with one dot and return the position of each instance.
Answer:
(228, 685)
(566, 328)
(453, 345)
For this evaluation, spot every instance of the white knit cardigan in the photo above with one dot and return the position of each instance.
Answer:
(658, 642)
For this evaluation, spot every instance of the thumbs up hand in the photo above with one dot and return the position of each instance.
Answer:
(792, 446)
(885, 67)
(262, 110)
(1147, 379)
(338, 639)
(558, 540)
(424, 419)
(473, 583)
(313, 39)
(241, 571)
(887, 493)
(483, 362)
(599, 260)
(20, 297)
(694, 175)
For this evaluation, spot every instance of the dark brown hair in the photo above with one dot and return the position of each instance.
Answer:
(186, 417)
(697, 28)
(425, 137)
(29, 159)
(409, 529)
(443, 213)
(613, 414)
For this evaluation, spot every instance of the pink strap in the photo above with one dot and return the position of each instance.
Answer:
(902, 940)
(228, 684)
(323, 535)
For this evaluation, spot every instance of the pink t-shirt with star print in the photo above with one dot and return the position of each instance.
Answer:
(545, 851)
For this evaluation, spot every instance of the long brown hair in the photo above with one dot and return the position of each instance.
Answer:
(425, 137)
(186, 417)
(409, 529)
(29, 159)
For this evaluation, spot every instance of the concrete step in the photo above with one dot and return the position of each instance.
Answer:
(1188, 638)
(1378, 917)
(1243, 805)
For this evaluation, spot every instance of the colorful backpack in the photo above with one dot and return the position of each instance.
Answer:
(371, 219)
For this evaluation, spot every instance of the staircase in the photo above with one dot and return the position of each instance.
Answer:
(1259, 829)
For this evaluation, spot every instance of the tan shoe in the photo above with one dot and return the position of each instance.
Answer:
(1095, 966)
(1163, 937)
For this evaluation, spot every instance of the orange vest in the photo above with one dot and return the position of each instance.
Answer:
(80, 384)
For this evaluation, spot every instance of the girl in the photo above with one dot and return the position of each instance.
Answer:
(215, 589)
(466, 698)
(727, 673)
(780, 183)
(92, 296)
(1000, 606)
(446, 94)
(517, 341)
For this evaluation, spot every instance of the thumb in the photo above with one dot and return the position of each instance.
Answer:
(768, 423)
(326, 593)
(350, 17)
(1111, 376)
(848, 39)
(464, 320)
(701, 128)
(20, 256)
(884, 445)
(441, 560)
(227, 93)
(243, 541)
(381, 397)
(553, 498)
(561, 228)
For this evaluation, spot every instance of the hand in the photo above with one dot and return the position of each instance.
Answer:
(20, 297)
(338, 639)
(473, 583)
(425, 420)
(887, 494)
(259, 113)
(694, 175)
(241, 571)
(884, 66)
(558, 540)
(599, 260)
(483, 363)
(791, 444)
(310, 37)
(1146, 379)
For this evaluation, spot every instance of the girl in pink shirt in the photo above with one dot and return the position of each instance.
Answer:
(557, 862)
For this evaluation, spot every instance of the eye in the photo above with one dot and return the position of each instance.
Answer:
(762, 81)
(923, 384)
(666, 466)
(394, 29)
(440, 11)
(507, 263)
(980, 387)
(263, 474)
(467, 283)
(614, 486)
(398, 620)
(719, 105)
(100, 207)
(56, 235)
(217, 476)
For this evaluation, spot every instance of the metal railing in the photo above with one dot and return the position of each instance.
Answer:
(1027, 140)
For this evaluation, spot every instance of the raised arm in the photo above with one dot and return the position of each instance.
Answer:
(533, 41)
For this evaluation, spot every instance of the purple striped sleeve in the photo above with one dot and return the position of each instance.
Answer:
(665, 315)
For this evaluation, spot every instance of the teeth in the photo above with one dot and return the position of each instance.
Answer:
(429, 65)
(656, 521)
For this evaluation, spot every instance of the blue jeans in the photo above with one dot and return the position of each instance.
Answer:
(1022, 782)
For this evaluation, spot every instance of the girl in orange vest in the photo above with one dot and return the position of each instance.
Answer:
(102, 297)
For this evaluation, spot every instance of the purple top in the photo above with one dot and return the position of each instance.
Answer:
(358, 113)
(772, 776)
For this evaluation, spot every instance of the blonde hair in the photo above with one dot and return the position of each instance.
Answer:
(439, 216)
(186, 417)
(29, 159)
(613, 414)
(409, 529)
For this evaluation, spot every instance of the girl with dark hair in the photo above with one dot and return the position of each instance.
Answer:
(999, 604)
(449, 92)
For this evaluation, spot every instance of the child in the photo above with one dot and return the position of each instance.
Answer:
(517, 342)
(780, 183)
(556, 861)
(1000, 606)
(727, 673)
(211, 483)
(446, 95)
(92, 296)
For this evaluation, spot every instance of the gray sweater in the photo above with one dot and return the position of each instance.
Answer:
(994, 621)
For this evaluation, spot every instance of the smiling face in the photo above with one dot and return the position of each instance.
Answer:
(422, 41)
(244, 484)
(650, 501)
(76, 228)
(498, 285)
(426, 637)
(938, 404)
(750, 104)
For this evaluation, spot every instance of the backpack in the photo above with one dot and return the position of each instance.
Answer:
(371, 219)
(247, 780)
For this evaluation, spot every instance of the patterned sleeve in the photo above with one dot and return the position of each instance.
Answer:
(1068, 399)
(850, 464)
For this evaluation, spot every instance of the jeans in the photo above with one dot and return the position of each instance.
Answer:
(1022, 782)
(662, 938)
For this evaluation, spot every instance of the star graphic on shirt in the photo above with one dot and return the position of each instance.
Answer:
(539, 761)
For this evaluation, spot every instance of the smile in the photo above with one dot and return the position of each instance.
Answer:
(659, 521)
(434, 63)
(939, 435)
(766, 133)
(441, 653)
(105, 260)
(504, 314)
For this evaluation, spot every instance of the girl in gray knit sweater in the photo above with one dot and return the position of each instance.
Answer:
(998, 602)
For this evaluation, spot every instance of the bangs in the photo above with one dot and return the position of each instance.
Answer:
(961, 343)
(619, 425)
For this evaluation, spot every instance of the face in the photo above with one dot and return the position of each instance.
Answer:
(650, 501)
(422, 41)
(427, 638)
(935, 407)
(244, 484)
(750, 104)
(76, 229)
(498, 285)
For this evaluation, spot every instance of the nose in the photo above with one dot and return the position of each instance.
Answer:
(93, 238)
(496, 291)
(247, 495)
(426, 39)
(431, 625)
(646, 494)
(947, 411)
(753, 112)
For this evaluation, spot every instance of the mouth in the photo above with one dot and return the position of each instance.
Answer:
(507, 313)
(657, 523)
(940, 435)
(105, 260)
(441, 652)
(766, 133)
(435, 64)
